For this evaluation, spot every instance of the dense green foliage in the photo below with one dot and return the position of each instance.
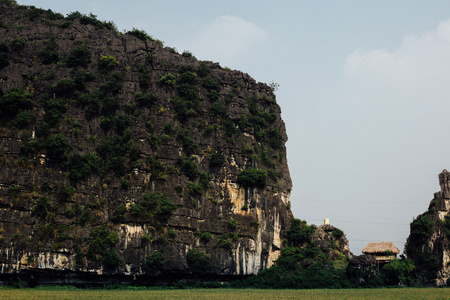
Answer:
(79, 57)
(107, 63)
(154, 263)
(14, 101)
(198, 261)
(426, 263)
(252, 177)
(399, 272)
(299, 233)
(101, 246)
(154, 206)
(140, 34)
(216, 160)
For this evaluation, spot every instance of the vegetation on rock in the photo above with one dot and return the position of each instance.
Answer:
(114, 159)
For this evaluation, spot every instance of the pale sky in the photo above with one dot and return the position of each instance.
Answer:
(364, 92)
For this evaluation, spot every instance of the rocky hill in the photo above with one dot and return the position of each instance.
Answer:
(429, 241)
(121, 157)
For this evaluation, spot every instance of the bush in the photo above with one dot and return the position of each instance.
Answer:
(154, 263)
(187, 53)
(81, 166)
(30, 148)
(206, 236)
(58, 148)
(14, 101)
(168, 80)
(65, 193)
(8, 2)
(101, 241)
(299, 232)
(232, 224)
(140, 34)
(79, 57)
(399, 272)
(110, 259)
(17, 43)
(107, 63)
(113, 85)
(49, 56)
(275, 175)
(219, 109)
(275, 138)
(203, 70)
(157, 169)
(188, 167)
(338, 233)
(41, 207)
(252, 178)
(195, 190)
(154, 206)
(119, 214)
(23, 119)
(54, 110)
(65, 87)
(420, 230)
(198, 261)
(146, 100)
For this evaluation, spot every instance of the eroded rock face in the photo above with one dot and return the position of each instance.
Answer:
(331, 240)
(429, 241)
(120, 156)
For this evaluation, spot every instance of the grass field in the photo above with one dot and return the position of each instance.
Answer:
(73, 293)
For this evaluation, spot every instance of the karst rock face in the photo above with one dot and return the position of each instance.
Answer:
(121, 156)
(429, 241)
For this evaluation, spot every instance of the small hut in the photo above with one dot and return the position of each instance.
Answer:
(383, 252)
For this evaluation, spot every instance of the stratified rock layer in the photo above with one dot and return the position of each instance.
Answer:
(123, 157)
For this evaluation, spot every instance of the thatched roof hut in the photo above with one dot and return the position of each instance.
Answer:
(380, 248)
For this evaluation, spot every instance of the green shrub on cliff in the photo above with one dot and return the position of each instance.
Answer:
(299, 232)
(198, 261)
(154, 263)
(79, 57)
(252, 177)
(58, 148)
(140, 34)
(8, 2)
(14, 101)
(154, 206)
(107, 63)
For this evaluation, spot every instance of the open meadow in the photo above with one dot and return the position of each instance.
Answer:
(74, 293)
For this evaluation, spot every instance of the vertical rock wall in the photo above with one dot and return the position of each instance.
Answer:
(429, 241)
(121, 156)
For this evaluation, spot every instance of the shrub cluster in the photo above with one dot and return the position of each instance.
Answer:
(198, 261)
(252, 177)
(154, 207)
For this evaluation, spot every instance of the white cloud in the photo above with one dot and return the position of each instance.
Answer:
(420, 66)
(226, 38)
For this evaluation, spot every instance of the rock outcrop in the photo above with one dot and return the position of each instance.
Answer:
(429, 241)
(120, 156)
(332, 241)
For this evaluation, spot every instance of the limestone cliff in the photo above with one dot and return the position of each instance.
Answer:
(120, 156)
(429, 241)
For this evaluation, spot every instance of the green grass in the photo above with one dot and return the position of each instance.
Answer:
(142, 293)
